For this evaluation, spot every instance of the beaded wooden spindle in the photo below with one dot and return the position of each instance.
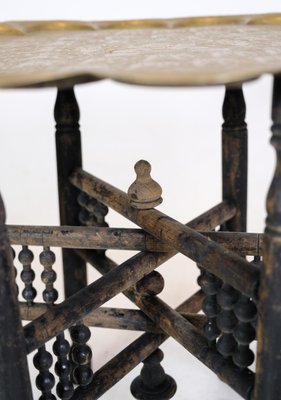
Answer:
(61, 349)
(245, 311)
(226, 320)
(45, 380)
(153, 383)
(61, 346)
(210, 285)
(81, 355)
(27, 275)
(43, 359)
(48, 276)
(92, 213)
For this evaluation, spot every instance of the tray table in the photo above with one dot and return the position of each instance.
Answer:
(240, 299)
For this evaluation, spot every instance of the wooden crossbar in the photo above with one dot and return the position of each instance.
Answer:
(88, 237)
(110, 317)
(223, 263)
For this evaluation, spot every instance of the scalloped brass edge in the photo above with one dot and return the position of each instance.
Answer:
(25, 27)
(8, 29)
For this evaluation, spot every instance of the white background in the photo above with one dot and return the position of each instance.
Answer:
(176, 130)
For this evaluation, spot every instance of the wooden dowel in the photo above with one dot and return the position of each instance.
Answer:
(250, 244)
(223, 263)
(131, 356)
(111, 318)
(213, 217)
(193, 304)
(121, 239)
(103, 317)
(85, 237)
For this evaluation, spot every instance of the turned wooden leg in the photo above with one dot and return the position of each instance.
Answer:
(268, 374)
(237, 311)
(234, 156)
(68, 144)
(69, 157)
(14, 376)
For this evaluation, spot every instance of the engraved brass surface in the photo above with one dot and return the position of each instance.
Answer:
(165, 52)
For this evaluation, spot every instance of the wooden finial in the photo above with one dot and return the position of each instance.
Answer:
(144, 193)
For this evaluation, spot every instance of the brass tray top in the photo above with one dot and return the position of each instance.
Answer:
(169, 52)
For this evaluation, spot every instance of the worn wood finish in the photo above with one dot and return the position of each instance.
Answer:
(70, 311)
(242, 383)
(27, 274)
(119, 366)
(131, 356)
(225, 264)
(245, 244)
(87, 237)
(68, 147)
(210, 285)
(236, 334)
(191, 339)
(111, 318)
(144, 193)
(43, 359)
(235, 156)
(188, 306)
(208, 220)
(269, 326)
(122, 239)
(152, 383)
(14, 376)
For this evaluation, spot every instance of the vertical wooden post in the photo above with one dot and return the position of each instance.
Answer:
(14, 376)
(234, 153)
(68, 144)
(268, 374)
(235, 165)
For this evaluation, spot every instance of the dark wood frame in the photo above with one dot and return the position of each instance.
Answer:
(221, 253)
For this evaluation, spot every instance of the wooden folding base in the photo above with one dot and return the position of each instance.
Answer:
(236, 295)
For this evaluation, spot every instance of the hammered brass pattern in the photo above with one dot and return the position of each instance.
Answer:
(178, 52)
